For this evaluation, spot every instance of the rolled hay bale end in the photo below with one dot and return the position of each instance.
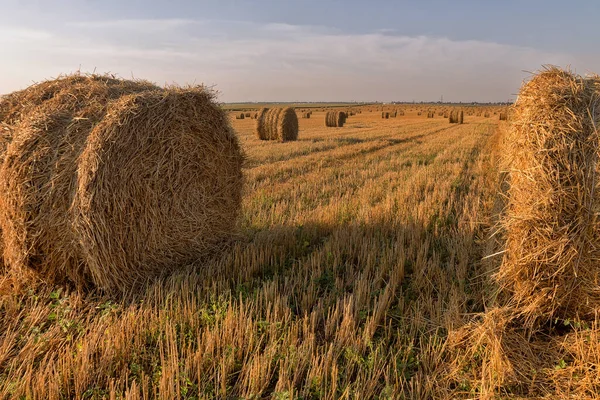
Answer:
(452, 117)
(260, 127)
(335, 119)
(110, 183)
(461, 117)
(287, 128)
(240, 116)
(502, 116)
(247, 115)
(550, 264)
(277, 124)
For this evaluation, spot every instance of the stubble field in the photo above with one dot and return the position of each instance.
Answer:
(359, 249)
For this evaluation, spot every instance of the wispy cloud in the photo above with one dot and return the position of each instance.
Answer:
(134, 24)
(249, 61)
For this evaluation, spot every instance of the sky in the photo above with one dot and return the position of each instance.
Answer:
(303, 50)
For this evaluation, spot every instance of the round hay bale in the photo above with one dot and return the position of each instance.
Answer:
(552, 226)
(453, 117)
(287, 125)
(335, 119)
(277, 124)
(260, 127)
(109, 183)
(461, 117)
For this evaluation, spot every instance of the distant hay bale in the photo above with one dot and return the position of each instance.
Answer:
(261, 126)
(453, 117)
(240, 116)
(306, 115)
(430, 114)
(552, 225)
(502, 116)
(335, 119)
(394, 114)
(385, 115)
(247, 115)
(277, 124)
(108, 183)
(486, 115)
(461, 117)
(342, 117)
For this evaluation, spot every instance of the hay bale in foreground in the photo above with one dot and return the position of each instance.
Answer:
(5, 139)
(108, 183)
(552, 226)
(277, 124)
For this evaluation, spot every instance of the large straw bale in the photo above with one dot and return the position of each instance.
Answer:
(108, 183)
(552, 221)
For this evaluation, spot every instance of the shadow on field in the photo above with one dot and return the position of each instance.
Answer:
(432, 262)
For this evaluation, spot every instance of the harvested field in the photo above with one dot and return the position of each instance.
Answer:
(360, 250)
(364, 266)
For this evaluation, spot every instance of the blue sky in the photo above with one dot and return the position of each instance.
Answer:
(279, 50)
